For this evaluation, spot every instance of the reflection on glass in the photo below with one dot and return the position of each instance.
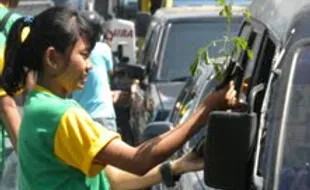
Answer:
(183, 42)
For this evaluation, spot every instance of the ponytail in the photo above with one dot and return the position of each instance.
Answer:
(58, 27)
(15, 58)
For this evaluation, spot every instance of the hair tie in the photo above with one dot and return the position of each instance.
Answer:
(28, 20)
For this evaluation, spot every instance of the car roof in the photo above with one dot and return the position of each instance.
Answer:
(282, 13)
(186, 13)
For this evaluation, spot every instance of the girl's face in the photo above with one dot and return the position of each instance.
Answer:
(76, 65)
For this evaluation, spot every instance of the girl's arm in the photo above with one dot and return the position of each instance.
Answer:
(10, 117)
(9, 113)
(122, 180)
(141, 159)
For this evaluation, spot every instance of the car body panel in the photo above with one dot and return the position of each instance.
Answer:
(163, 98)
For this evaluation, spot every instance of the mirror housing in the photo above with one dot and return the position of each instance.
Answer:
(229, 144)
(133, 71)
(142, 23)
(156, 128)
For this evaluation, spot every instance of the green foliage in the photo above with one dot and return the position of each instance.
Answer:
(247, 14)
(238, 44)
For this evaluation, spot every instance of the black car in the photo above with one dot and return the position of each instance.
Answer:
(173, 38)
(266, 144)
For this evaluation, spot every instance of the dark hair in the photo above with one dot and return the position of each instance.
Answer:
(96, 21)
(59, 27)
(108, 35)
(9, 1)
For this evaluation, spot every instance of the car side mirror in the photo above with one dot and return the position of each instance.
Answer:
(229, 145)
(133, 71)
(155, 129)
(142, 22)
(229, 142)
(124, 60)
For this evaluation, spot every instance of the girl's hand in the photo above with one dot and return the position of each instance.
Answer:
(224, 98)
(187, 163)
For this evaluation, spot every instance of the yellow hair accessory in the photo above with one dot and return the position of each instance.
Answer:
(25, 33)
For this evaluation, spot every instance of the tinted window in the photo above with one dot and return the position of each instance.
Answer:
(295, 170)
(149, 40)
(183, 42)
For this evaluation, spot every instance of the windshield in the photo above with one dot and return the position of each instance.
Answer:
(295, 170)
(184, 40)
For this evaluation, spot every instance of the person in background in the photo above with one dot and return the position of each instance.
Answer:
(9, 111)
(9, 114)
(59, 145)
(96, 97)
(106, 40)
(104, 45)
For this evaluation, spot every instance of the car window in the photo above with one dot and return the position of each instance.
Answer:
(149, 46)
(186, 93)
(245, 33)
(184, 40)
(249, 63)
(295, 169)
(148, 40)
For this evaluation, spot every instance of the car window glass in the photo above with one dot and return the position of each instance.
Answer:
(149, 43)
(183, 42)
(184, 95)
(249, 65)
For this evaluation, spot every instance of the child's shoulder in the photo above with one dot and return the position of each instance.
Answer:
(48, 104)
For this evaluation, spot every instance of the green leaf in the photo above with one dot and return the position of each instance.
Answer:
(228, 12)
(200, 51)
(221, 13)
(248, 14)
(194, 66)
(221, 2)
(223, 44)
(219, 73)
(250, 53)
(240, 42)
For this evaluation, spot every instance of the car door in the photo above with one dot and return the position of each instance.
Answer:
(286, 155)
(195, 180)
